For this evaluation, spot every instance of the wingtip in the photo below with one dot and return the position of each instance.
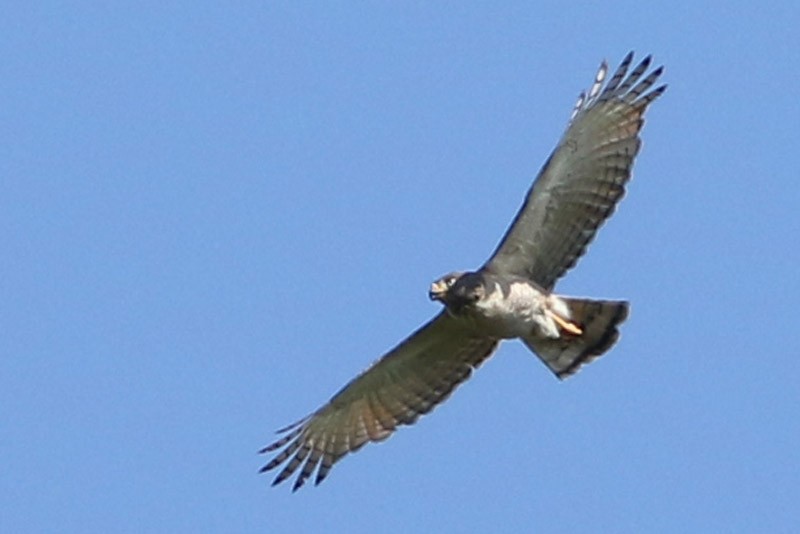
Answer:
(283, 475)
(298, 484)
(628, 57)
(276, 445)
(293, 425)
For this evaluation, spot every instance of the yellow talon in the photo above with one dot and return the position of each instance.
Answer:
(572, 328)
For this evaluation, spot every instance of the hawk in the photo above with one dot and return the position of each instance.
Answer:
(510, 297)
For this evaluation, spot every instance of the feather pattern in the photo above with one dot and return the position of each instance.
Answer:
(583, 180)
(404, 384)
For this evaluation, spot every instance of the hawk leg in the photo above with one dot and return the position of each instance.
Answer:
(572, 328)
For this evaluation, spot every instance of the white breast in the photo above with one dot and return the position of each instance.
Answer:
(514, 314)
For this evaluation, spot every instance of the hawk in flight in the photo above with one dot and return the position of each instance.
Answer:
(510, 297)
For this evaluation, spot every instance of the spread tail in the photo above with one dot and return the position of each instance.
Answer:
(588, 332)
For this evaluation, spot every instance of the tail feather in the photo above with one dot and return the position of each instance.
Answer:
(597, 320)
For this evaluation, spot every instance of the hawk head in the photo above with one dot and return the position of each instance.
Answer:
(458, 290)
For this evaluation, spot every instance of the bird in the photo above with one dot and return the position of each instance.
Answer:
(510, 297)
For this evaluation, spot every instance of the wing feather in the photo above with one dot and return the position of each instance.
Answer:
(583, 179)
(407, 382)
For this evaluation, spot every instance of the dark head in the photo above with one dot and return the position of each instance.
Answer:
(456, 290)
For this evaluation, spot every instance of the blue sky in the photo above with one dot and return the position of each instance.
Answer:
(213, 217)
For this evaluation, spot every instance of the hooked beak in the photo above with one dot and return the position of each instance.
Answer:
(438, 290)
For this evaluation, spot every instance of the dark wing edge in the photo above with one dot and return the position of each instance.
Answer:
(584, 178)
(407, 382)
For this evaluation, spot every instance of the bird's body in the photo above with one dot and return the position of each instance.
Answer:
(507, 307)
(510, 297)
(563, 332)
(514, 309)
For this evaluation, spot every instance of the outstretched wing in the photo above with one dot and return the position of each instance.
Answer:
(584, 178)
(405, 383)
